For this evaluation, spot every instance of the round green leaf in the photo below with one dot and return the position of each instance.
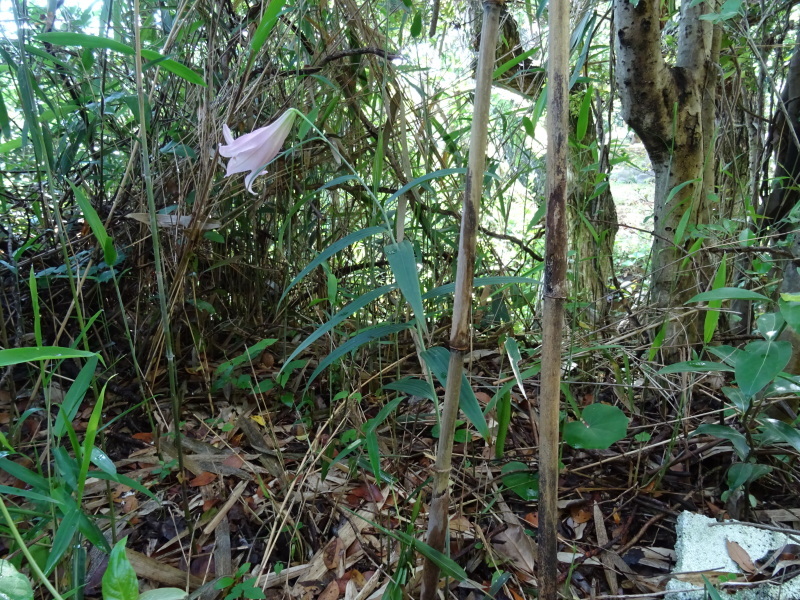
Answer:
(13, 584)
(518, 478)
(600, 426)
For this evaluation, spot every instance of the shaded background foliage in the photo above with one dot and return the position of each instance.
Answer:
(388, 105)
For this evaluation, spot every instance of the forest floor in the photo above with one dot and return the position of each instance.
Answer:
(286, 499)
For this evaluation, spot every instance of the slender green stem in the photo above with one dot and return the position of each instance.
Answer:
(27, 553)
(157, 259)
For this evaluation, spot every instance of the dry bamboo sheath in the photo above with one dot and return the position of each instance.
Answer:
(554, 293)
(459, 335)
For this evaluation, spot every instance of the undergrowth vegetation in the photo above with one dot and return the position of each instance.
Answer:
(223, 348)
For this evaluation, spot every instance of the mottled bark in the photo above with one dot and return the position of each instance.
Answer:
(554, 292)
(672, 110)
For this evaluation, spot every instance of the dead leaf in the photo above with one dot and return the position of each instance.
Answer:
(129, 504)
(515, 594)
(460, 523)
(331, 592)
(368, 491)
(357, 577)
(202, 479)
(332, 554)
(782, 564)
(144, 436)
(483, 397)
(580, 514)
(234, 460)
(518, 548)
(740, 557)
(185, 222)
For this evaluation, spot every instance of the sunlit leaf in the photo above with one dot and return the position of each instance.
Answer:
(82, 40)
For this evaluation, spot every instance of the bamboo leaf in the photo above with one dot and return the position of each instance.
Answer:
(423, 179)
(339, 317)
(266, 25)
(356, 342)
(449, 288)
(404, 267)
(82, 40)
(437, 360)
(510, 64)
(330, 251)
(727, 293)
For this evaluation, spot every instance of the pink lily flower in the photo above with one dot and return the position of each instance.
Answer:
(253, 151)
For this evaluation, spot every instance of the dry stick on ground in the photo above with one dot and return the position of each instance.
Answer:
(555, 270)
(459, 335)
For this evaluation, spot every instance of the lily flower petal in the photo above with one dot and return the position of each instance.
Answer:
(251, 152)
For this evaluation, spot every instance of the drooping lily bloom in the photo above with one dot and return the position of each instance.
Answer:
(252, 151)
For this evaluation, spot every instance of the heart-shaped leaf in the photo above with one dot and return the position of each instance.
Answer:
(600, 426)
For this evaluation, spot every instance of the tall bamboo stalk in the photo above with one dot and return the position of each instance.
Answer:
(459, 333)
(555, 272)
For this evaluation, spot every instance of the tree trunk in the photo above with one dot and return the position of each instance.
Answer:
(672, 110)
(784, 137)
(593, 218)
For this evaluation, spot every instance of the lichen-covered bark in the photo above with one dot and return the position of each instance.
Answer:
(672, 109)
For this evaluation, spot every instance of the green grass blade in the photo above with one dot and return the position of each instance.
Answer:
(6, 490)
(515, 358)
(63, 538)
(330, 251)
(74, 397)
(503, 419)
(96, 225)
(340, 316)
(16, 356)
(34, 480)
(88, 442)
(356, 342)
